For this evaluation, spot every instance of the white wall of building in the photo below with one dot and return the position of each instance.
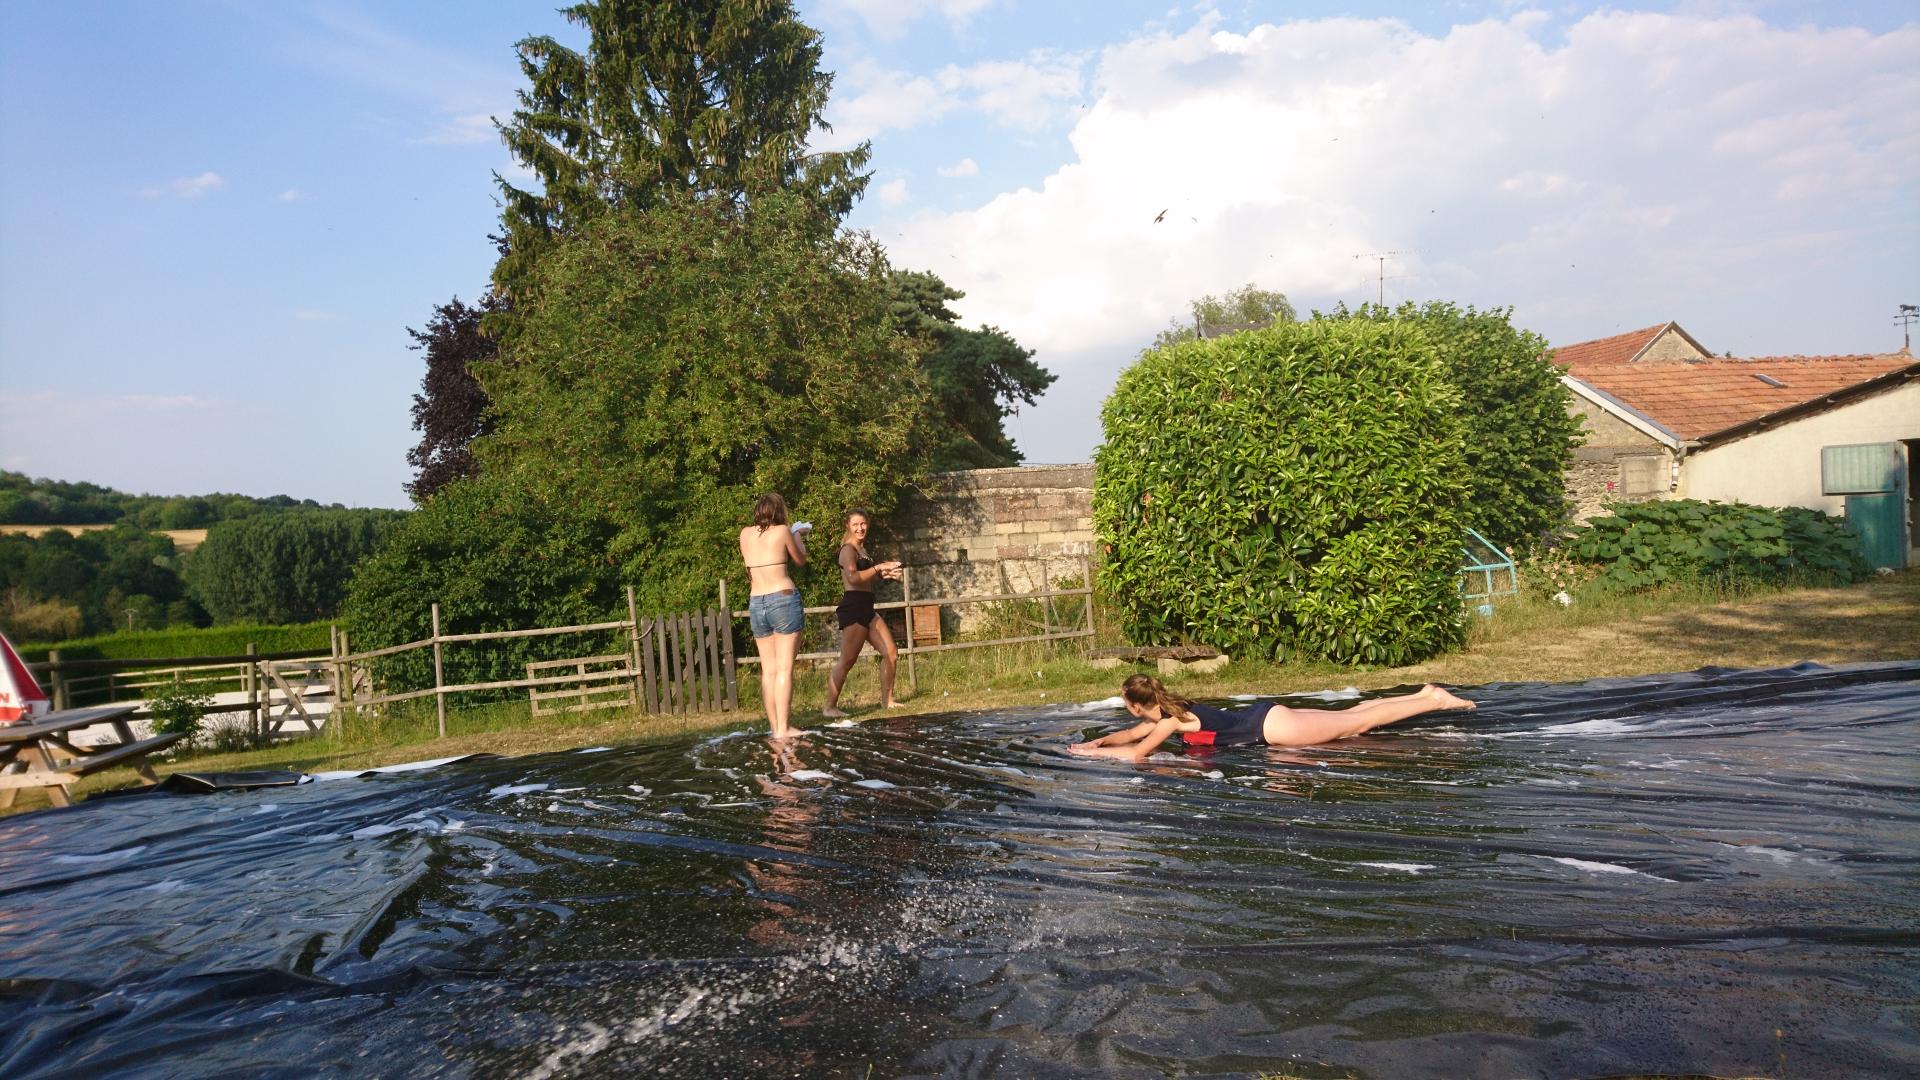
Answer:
(1781, 466)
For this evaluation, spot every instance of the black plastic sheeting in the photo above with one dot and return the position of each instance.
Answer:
(1649, 875)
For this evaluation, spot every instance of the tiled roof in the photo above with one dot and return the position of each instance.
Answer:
(1607, 350)
(1696, 398)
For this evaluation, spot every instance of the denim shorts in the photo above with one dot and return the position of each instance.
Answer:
(776, 613)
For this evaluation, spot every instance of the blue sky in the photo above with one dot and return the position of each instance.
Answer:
(217, 219)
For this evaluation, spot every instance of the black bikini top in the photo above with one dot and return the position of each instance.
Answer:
(860, 562)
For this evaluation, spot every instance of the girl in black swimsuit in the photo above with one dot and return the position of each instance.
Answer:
(859, 623)
(1163, 715)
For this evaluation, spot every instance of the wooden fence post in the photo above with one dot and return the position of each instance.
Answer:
(59, 680)
(633, 649)
(1086, 579)
(253, 688)
(439, 676)
(333, 664)
(906, 597)
(726, 653)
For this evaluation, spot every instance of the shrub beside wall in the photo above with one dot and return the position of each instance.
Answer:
(1292, 491)
(1645, 545)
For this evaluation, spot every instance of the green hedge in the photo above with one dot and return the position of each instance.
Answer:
(1520, 433)
(1645, 545)
(1292, 491)
(230, 640)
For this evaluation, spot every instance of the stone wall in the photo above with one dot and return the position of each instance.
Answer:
(1671, 346)
(1600, 475)
(992, 531)
(1617, 463)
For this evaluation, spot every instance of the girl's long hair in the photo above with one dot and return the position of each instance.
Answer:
(769, 510)
(1147, 692)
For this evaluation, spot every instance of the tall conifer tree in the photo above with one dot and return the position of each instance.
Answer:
(713, 97)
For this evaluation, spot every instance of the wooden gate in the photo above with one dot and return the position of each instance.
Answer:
(602, 682)
(295, 683)
(677, 664)
(686, 662)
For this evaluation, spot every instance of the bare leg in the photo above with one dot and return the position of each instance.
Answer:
(882, 638)
(1310, 727)
(852, 639)
(776, 681)
(766, 650)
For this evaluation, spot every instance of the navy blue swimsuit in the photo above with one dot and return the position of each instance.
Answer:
(1229, 727)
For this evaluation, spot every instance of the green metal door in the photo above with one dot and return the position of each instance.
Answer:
(1877, 521)
(1873, 479)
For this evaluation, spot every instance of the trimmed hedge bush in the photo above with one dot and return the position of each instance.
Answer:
(1291, 491)
(1644, 545)
(1520, 433)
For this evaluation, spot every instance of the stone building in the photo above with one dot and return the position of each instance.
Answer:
(1666, 419)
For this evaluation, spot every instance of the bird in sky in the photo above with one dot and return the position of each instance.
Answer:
(1159, 217)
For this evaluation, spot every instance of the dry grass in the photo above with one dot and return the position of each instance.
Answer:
(1521, 643)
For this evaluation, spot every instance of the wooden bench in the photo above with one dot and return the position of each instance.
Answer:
(42, 754)
(89, 764)
(1198, 659)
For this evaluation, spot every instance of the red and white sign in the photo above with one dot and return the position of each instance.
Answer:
(20, 696)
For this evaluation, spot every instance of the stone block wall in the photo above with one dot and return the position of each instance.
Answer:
(1600, 475)
(992, 531)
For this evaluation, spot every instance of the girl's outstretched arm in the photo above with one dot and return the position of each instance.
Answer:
(1133, 744)
(1119, 738)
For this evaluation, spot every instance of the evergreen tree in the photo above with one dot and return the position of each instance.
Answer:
(976, 377)
(711, 97)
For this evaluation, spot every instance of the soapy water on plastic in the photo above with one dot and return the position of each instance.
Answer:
(1647, 875)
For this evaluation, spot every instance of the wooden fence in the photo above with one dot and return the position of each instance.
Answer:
(260, 676)
(923, 618)
(672, 664)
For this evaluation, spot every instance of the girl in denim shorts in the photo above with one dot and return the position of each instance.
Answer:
(768, 547)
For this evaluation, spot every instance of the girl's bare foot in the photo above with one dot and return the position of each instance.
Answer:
(1446, 699)
(832, 713)
(891, 705)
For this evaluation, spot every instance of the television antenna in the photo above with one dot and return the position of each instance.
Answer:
(1904, 319)
(1380, 271)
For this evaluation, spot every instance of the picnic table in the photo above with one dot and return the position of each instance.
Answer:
(42, 753)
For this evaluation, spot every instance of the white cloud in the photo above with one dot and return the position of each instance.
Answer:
(1030, 94)
(464, 130)
(448, 96)
(892, 193)
(966, 166)
(315, 315)
(1579, 180)
(188, 187)
(295, 195)
(890, 18)
(882, 100)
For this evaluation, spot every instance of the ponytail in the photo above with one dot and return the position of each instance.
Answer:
(1149, 692)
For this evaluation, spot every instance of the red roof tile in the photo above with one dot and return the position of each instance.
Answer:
(1607, 350)
(1696, 398)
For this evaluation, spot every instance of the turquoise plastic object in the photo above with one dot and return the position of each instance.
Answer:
(1488, 568)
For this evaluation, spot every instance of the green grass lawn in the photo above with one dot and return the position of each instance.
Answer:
(1522, 642)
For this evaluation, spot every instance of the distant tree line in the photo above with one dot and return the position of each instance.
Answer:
(268, 568)
(28, 501)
